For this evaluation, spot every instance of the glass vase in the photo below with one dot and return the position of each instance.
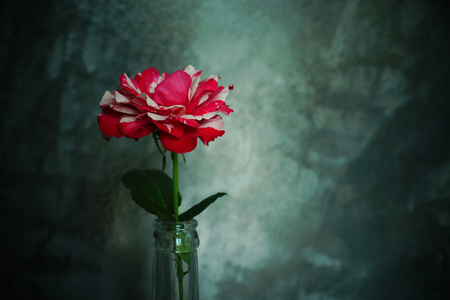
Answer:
(175, 267)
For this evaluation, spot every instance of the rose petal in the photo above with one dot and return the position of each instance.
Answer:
(225, 109)
(214, 102)
(211, 107)
(192, 71)
(205, 86)
(122, 98)
(177, 130)
(107, 99)
(170, 118)
(209, 130)
(109, 125)
(193, 88)
(125, 109)
(173, 90)
(135, 128)
(200, 117)
(149, 80)
(220, 94)
(161, 113)
(209, 84)
(140, 102)
(129, 84)
(186, 121)
(186, 143)
(145, 104)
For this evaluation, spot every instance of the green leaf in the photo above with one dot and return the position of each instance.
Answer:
(186, 257)
(198, 208)
(149, 188)
(144, 201)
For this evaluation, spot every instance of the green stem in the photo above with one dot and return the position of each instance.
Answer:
(180, 275)
(178, 260)
(175, 184)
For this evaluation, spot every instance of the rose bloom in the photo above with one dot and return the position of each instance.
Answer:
(179, 105)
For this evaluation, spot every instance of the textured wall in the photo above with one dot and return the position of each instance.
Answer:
(336, 159)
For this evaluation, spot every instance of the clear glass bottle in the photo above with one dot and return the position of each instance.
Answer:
(175, 266)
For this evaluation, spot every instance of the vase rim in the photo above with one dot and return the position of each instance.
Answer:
(182, 225)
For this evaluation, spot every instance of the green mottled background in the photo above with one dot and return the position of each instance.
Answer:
(336, 160)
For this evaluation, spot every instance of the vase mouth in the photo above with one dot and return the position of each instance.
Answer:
(180, 225)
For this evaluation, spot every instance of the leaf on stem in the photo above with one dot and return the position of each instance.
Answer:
(143, 200)
(152, 190)
(198, 208)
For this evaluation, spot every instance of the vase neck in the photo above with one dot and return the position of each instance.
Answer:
(176, 237)
(175, 267)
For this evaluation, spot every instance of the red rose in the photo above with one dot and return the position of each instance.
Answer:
(179, 105)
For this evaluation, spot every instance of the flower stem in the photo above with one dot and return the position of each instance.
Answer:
(178, 260)
(175, 184)
(180, 275)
